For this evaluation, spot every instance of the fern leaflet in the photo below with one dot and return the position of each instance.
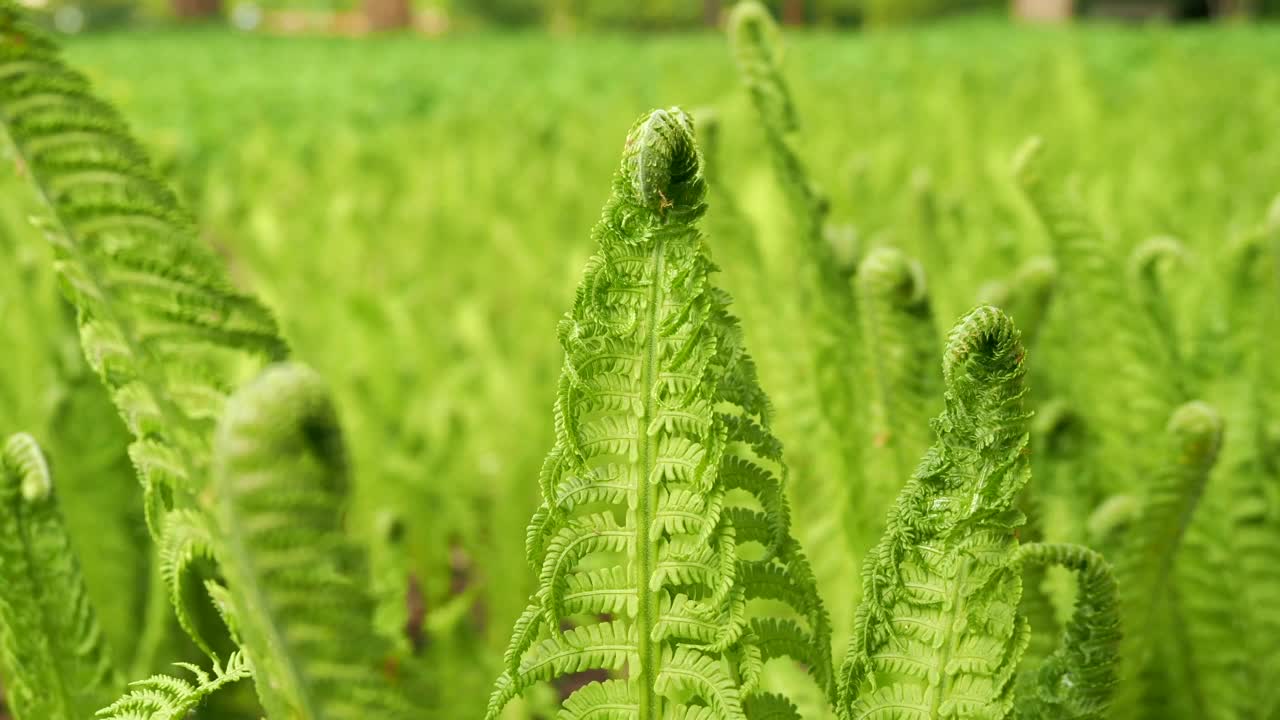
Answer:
(162, 697)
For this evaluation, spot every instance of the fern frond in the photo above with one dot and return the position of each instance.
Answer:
(163, 697)
(1077, 679)
(938, 633)
(827, 301)
(1128, 390)
(53, 656)
(902, 351)
(662, 448)
(295, 583)
(1144, 545)
(159, 320)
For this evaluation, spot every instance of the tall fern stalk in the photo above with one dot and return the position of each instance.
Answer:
(658, 419)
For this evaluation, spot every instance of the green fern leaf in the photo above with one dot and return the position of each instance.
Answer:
(902, 351)
(938, 633)
(53, 657)
(159, 320)
(827, 300)
(663, 504)
(162, 697)
(294, 581)
(1143, 542)
(1077, 679)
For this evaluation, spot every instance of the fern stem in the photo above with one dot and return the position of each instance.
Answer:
(646, 495)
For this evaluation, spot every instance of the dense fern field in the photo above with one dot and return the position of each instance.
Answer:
(911, 375)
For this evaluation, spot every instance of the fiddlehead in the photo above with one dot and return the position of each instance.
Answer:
(52, 654)
(1077, 679)
(938, 633)
(294, 582)
(162, 697)
(902, 351)
(663, 506)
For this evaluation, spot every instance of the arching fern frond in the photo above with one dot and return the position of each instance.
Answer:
(1126, 390)
(901, 365)
(1143, 543)
(1077, 679)
(163, 697)
(53, 658)
(295, 583)
(827, 301)
(159, 320)
(663, 502)
(938, 633)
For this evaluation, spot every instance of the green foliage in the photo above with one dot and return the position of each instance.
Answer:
(159, 320)
(422, 284)
(1142, 539)
(938, 632)
(1077, 679)
(294, 583)
(663, 498)
(162, 697)
(53, 657)
(901, 362)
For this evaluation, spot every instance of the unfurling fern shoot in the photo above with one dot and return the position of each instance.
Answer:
(293, 580)
(938, 633)
(663, 536)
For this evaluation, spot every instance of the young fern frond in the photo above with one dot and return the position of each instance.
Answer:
(1144, 541)
(162, 697)
(1075, 682)
(1228, 577)
(938, 633)
(663, 538)
(53, 658)
(295, 583)
(159, 320)
(902, 352)
(826, 298)
(1126, 387)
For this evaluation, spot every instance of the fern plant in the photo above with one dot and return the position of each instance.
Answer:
(939, 632)
(664, 527)
(53, 655)
(171, 339)
(901, 376)
(827, 301)
(294, 591)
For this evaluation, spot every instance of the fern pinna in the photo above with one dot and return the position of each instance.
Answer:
(663, 535)
(938, 633)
